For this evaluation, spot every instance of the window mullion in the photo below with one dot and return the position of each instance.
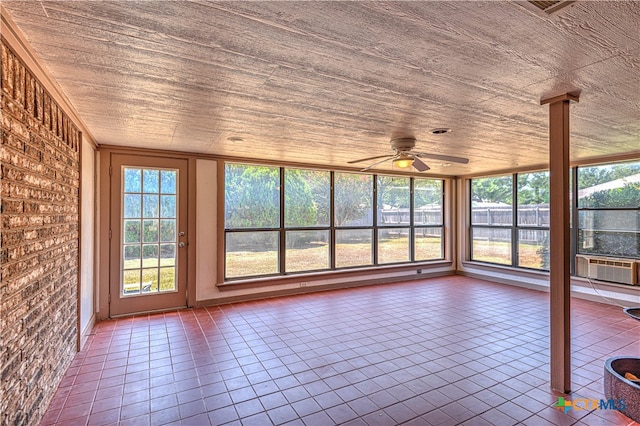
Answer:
(282, 249)
(515, 243)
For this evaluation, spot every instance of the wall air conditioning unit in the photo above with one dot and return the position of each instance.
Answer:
(607, 269)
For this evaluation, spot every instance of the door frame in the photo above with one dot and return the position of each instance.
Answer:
(103, 219)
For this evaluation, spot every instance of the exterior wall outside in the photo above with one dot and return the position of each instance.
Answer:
(40, 164)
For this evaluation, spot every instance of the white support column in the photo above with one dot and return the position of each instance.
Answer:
(560, 242)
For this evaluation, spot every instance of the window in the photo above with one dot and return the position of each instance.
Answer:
(608, 215)
(492, 219)
(609, 210)
(287, 220)
(353, 218)
(428, 231)
(252, 215)
(497, 236)
(533, 220)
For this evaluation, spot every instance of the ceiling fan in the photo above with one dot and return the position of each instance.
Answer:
(403, 157)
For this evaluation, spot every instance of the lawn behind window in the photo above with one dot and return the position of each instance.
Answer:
(315, 257)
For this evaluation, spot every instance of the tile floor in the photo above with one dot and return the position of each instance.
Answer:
(443, 351)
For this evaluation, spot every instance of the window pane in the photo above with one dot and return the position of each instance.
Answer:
(167, 255)
(131, 282)
(131, 231)
(428, 243)
(393, 245)
(132, 205)
(252, 196)
(393, 201)
(149, 206)
(150, 180)
(492, 201)
(168, 206)
(533, 199)
(251, 253)
(306, 198)
(150, 280)
(307, 250)
(132, 257)
(607, 186)
(167, 230)
(149, 255)
(609, 232)
(353, 198)
(150, 231)
(491, 245)
(132, 180)
(533, 248)
(168, 279)
(427, 202)
(354, 247)
(168, 181)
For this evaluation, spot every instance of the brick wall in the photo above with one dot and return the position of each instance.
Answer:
(39, 245)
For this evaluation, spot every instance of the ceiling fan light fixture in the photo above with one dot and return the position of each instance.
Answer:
(403, 162)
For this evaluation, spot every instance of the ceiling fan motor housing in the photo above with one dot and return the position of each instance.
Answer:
(403, 144)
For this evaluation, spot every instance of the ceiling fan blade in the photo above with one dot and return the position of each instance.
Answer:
(441, 157)
(370, 158)
(379, 162)
(419, 165)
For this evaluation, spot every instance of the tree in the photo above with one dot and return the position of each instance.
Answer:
(252, 196)
(493, 189)
(352, 195)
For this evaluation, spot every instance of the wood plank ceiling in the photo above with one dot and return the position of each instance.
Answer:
(327, 82)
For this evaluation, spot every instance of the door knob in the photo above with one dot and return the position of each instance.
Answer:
(181, 245)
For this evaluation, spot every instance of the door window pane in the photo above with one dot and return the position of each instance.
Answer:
(149, 205)
(132, 259)
(150, 181)
(168, 206)
(353, 199)
(131, 231)
(307, 250)
(132, 180)
(354, 247)
(132, 205)
(167, 230)
(491, 245)
(393, 245)
(251, 253)
(306, 198)
(168, 181)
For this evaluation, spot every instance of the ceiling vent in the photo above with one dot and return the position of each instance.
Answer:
(546, 8)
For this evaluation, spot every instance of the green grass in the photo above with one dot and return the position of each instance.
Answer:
(250, 263)
(500, 252)
(167, 275)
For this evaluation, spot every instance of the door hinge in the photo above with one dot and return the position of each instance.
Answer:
(109, 233)
(110, 170)
(109, 297)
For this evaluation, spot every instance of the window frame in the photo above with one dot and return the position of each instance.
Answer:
(514, 227)
(332, 228)
(578, 209)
